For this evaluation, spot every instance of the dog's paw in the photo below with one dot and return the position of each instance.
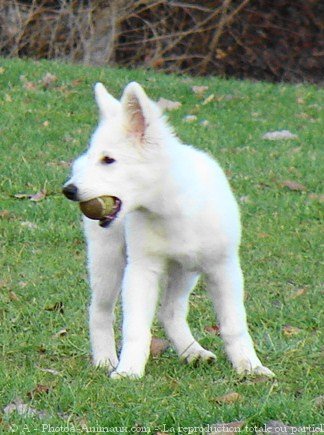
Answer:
(125, 375)
(195, 357)
(245, 368)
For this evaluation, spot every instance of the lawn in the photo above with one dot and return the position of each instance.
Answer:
(45, 122)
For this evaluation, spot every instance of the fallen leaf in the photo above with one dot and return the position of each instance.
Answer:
(293, 185)
(297, 293)
(38, 391)
(213, 329)
(13, 296)
(45, 123)
(24, 410)
(199, 89)
(165, 104)
(263, 235)
(29, 225)
(51, 371)
(289, 330)
(228, 398)
(279, 135)
(317, 197)
(319, 402)
(4, 214)
(158, 346)
(60, 333)
(61, 163)
(2, 69)
(245, 199)
(48, 79)
(190, 118)
(22, 195)
(3, 283)
(204, 123)
(224, 428)
(39, 196)
(58, 306)
(208, 100)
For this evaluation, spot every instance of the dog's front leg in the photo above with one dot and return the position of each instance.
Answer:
(140, 293)
(106, 265)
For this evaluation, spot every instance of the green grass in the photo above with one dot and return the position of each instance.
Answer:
(42, 261)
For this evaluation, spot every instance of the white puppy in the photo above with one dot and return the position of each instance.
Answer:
(175, 218)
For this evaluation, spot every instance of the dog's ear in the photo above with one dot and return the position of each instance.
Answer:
(108, 105)
(138, 110)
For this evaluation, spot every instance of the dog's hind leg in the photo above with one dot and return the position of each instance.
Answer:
(225, 285)
(106, 263)
(173, 314)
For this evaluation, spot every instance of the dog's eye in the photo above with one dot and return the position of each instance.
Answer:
(106, 160)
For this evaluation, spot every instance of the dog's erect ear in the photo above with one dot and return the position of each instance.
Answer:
(108, 105)
(138, 110)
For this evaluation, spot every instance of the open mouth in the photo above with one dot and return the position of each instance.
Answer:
(104, 209)
(105, 221)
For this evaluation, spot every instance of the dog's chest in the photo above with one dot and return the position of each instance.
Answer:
(168, 238)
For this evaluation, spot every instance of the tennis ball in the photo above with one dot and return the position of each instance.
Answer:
(98, 208)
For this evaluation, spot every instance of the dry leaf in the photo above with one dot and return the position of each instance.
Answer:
(297, 293)
(293, 185)
(48, 79)
(245, 199)
(290, 330)
(165, 104)
(38, 391)
(213, 329)
(158, 346)
(13, 296)
(2, 69)
(58, 306)
(190, 118)
(60, 333)
(199, 89)
(224, 428)
(45, 123)
(317, 197)
(22, 195)
(24, 410)
(29, 225)
(4, 214)
(39, 196)
(228, 398)
(279, 135)
(263, 235)
(319, 402)
(208, 99)
(51, 371)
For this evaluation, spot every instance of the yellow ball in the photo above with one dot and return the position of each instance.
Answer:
(98, 208)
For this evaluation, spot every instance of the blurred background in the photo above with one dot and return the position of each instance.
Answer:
(269, 40)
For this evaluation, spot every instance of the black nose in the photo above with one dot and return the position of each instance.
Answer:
(71, 192)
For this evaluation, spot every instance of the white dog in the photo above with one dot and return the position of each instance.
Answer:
(175, 219)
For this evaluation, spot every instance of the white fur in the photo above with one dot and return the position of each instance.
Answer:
(179, 219)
